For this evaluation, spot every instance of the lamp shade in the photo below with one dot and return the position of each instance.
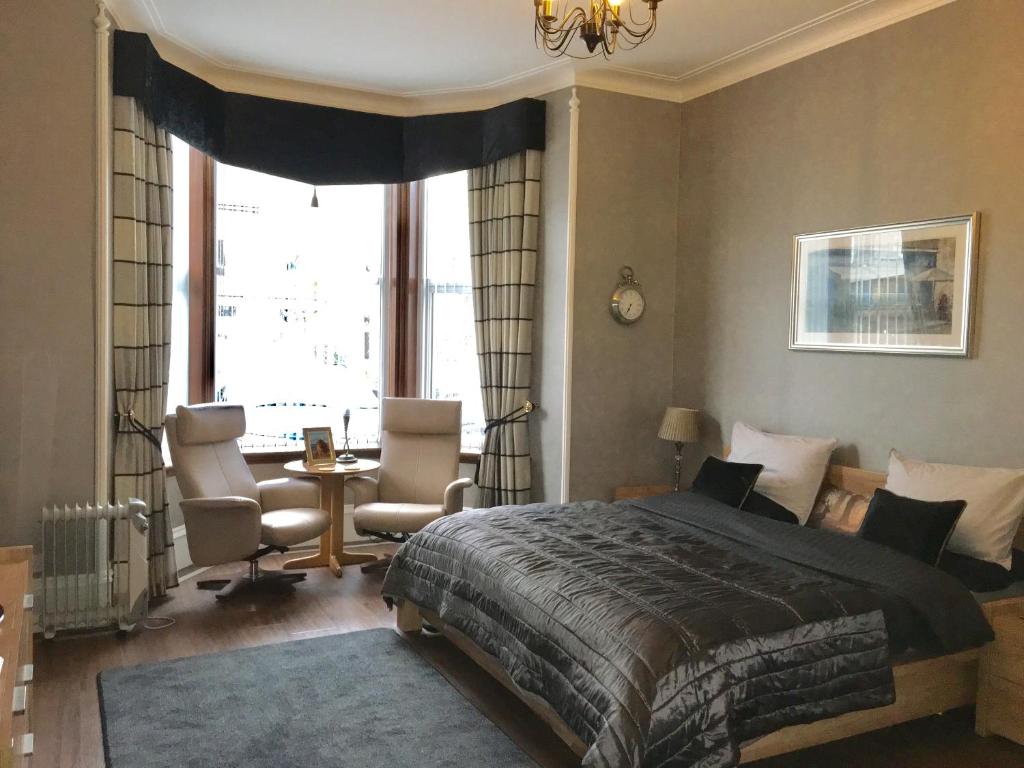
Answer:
(680, 425)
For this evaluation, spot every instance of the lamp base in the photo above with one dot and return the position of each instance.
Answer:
(346, 456)
(679, 465)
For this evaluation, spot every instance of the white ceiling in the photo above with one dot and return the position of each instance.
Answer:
(408, 56)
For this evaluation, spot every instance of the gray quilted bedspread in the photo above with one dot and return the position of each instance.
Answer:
(666, 632)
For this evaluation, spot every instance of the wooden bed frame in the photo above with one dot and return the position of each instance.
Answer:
(923, 687)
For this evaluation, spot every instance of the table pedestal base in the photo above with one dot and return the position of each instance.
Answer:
(332, 552)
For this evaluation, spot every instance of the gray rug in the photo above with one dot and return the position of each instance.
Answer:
(363, 699)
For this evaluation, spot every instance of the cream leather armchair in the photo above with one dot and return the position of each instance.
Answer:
(228, 515)
(418, 480)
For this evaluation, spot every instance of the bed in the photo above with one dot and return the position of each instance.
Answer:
(669, 631)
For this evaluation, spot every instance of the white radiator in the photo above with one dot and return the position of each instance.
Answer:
(95, 566)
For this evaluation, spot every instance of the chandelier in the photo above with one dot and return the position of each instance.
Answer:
(603, 28)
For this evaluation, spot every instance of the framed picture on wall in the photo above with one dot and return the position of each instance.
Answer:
(899, 289)
(319, 446)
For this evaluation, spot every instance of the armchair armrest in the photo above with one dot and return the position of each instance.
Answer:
(364, 490)
(220, 503)
(289, 493)
(453, 495)
(221, 529)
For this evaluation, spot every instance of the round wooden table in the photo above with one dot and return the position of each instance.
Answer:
(332, 500)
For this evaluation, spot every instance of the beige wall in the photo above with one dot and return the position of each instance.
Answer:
(47, 204)
(622, 375)
(918, 120)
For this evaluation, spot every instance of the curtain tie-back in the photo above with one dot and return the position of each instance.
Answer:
(523, 410)
(137, 426)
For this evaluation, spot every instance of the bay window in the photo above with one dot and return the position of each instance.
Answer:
(300, 312)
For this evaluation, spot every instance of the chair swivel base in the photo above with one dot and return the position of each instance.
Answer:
(256, 578)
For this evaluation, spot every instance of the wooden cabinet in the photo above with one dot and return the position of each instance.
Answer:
(1000, 707)
(16, 671)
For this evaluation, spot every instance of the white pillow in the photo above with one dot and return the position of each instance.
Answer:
(793, 466)
(995, 502)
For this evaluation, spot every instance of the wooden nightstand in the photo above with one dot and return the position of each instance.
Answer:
(1000, 706)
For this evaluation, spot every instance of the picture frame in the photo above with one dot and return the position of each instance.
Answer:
(319, 446)
(905, 289)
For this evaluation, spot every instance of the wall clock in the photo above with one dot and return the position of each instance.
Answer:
(628, 302)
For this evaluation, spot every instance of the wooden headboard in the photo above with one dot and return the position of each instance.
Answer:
(854, 480)
(865, 482)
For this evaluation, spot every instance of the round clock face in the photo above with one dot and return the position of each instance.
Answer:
(627, 305)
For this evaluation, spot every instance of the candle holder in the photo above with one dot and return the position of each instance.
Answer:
(346, 457)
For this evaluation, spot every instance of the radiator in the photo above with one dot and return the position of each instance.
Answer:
(95, 566)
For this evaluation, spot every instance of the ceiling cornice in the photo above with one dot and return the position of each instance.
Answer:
(857, 18)
(851, 21)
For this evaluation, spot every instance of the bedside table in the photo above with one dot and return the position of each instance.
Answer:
(1000, 706)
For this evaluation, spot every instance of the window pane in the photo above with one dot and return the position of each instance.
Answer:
(177, 380)
(450, 368)
(298, 306)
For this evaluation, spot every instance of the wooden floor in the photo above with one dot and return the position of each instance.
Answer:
(66, 712)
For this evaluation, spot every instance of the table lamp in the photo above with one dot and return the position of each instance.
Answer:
(680, 425)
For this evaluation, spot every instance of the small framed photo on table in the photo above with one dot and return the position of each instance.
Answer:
(319, 446)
